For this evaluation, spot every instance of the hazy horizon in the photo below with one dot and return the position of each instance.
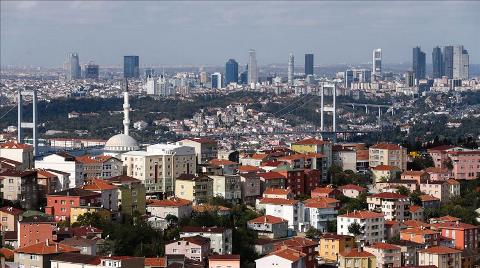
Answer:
(41, 33)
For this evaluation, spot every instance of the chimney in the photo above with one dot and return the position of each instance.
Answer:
(46, 243)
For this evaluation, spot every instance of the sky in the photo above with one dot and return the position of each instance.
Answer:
(41, 33)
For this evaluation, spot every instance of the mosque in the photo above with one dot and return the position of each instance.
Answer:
(121, 143)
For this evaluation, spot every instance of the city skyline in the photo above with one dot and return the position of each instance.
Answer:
(102, 35)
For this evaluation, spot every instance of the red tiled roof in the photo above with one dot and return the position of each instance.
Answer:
(391, 223)
(7, 253)
(209, 208)
(419, 231)
(272, 175)
(415, 223)
(277, 191)
(221, 162)
(414, 173)
(414, 208)
(289, 254)
(453, 182)
(247, 168)
(297, 241)
(98, 185)
(11, 210)
(156, 262)
(356, 254)
(259, 156)
(387, 195)
(225, 257)
(311, 141)
(173, 202)
(194, 229)
(352, 187)
(272, 163)
(385, 168)
(386, 146)
(267, 219)
(292, 157)
(363, 214)
(46, 248)
(385, 246)
(447, 218)
(323, 190)
(453, 225)
(327, 200)
(14, 145)
(440, 250)
(426, 198)
(279, 201)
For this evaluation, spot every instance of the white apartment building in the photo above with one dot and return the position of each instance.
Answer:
(228, 187)
(388, 154)
(159, 166)
(318, 214)
(394, 206)
(220, 237)
(65, 163)
(372, 225)
(19, 152)
(291, 210)
(180, 208)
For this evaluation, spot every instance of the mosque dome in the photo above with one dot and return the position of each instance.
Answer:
(121, 143)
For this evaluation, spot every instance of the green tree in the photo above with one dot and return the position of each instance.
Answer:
(355, 229)
(403, 190)
(89, 219)
(312, 233)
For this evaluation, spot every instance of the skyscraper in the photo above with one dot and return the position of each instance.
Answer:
(437, 62)
(91, 71)
(216, 80)
(73, 67)
(308, 64)
(231, 71)
(252, 68)
(377, 62)
(448, 61)
(131, 67)
(291, 67)
(460, 63)
(419, 63)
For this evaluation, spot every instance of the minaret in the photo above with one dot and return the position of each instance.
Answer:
(126, 110)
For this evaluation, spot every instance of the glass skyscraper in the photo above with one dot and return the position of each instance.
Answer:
(308, 64)
(437, 62)
(91, 71)
(231, 71)
(448, 61)
(131, 67)
(377, 62)
(73, 67)
(419, 63)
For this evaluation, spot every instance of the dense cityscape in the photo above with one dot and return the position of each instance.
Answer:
(299, 164)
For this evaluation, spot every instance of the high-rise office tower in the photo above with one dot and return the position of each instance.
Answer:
(308, 64)
(460, 63)
(448, 61)
(149, 72)
(231, 71)
(252, 68)
(409, 79)
(73, 67)
(377, 62)
(131, 67)
(291, 67)
(437, 62)
(91, 71)
(419, 64)
(216, 80)
(348, 78)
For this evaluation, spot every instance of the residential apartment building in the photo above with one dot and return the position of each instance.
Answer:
(269, 226)
(385, 173)
(284, 258)
(220, 237)
(159, 166)
(101, 166)
(108, 192)
(316, 146)
(180, 208)
(394, 206)
(438, 189)
(271, 179)
(65, 163)
(228, 187)
(40, 254)
(20, 186)
(195, 247)
(196, 188)
(332, 244)
(250, 186)
(35, 229)
(357, 259)
(22, 153)
(463, 163)
(59, 204)
(319, 213)
(441, 257)
(303, 245)
(290, 210)
(9, 217)
(131, 194)
(421, 235)
(205, 149)
(224, 261)
(418, 176)
(372, 225)
(344, 158)
(388, 154)
(387, 255)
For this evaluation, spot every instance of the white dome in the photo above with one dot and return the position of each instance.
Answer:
(121, 143)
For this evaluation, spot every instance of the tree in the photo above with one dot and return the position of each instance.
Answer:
(172, 220)
(355, 229)
(415, 198)
(332, 226)
(403, 190)
(89, 219)
(313, 233)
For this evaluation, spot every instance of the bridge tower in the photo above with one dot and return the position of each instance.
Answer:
(328, 89)
(33, 124)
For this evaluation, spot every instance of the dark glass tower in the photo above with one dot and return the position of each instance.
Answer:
(419, 63)
(131, 66)
(308, 64)
(448, 61)
(437, 62)
(231, 72)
